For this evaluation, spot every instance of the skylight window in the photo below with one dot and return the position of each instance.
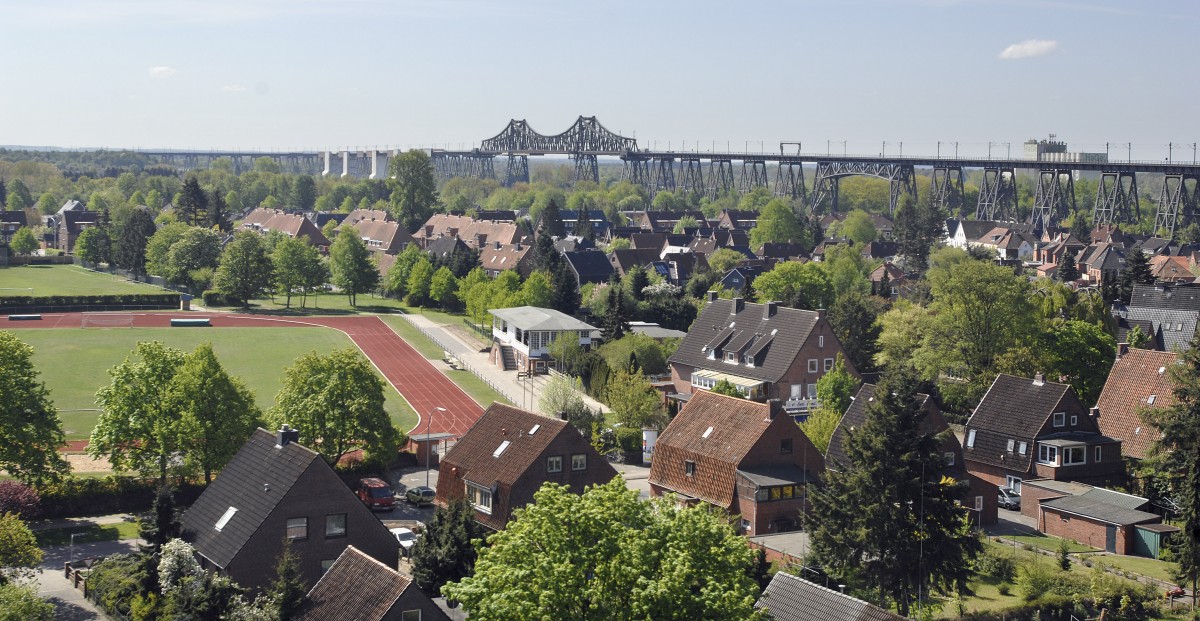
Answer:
(500, 449)
(225, 518)
(1150, 400)
(707, 432)
(534, 429)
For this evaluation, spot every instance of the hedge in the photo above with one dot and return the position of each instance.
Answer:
(33, 303)
(84, 496)
(212, 297)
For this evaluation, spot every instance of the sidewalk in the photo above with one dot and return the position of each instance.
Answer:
(522, 393)
(54, 586)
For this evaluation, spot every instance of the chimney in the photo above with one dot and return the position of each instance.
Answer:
(1094, 411)
(738, 305)
(285, 436)
(1039, 379)
(712, 296)
(496, 245)
(518, 246)
(775, 406)
(769, 309)
(1122, 349)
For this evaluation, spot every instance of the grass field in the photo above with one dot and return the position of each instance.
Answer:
(74, 363)
(87, 534)
(1051, 544)
(65, 280)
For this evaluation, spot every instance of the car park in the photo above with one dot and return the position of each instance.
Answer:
(1009, 499)
(420, 495)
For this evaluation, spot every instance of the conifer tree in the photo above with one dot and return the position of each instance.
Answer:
(288, 589)
(193, 204)
(1068, 271)
(552, 222)
(445, 554)
(616, 323)
(161, 524)
(566, 298)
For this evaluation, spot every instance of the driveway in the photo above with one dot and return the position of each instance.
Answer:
(54, 586)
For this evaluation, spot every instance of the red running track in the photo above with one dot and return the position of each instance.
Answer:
(413, 376)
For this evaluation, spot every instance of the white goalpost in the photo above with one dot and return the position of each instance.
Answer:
(106, 320)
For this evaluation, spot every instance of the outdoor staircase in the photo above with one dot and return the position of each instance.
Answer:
(509, 358)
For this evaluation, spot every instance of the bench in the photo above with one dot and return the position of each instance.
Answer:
(24, 317)
(190, 322)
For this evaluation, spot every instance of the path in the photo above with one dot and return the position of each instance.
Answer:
(53, 584)
(421, 384)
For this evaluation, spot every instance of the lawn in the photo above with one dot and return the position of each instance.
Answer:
(66, 280)
(86, 534)
(74, 363)
(1050, 544)
(1137, 564)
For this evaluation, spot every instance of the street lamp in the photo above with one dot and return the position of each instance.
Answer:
(429, 448)
(72, 559)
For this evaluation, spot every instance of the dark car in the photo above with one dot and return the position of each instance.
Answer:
(1009, 499)
(376, 494)
(420, 495)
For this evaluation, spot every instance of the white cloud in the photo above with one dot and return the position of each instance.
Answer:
(1029, 49)
(233, 88)
(161, 72)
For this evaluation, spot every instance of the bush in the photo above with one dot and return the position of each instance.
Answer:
(998, 565)
(20, 499)
(212, 297)
(79, 496)
(37, 303)
(1004, 589)
(114, 581)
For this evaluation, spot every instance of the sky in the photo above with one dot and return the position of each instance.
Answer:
(330, 74)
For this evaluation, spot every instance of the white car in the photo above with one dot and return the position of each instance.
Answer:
(406, 538)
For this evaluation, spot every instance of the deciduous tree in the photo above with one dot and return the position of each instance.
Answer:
(777, 223)
(443, 288)
(30, 431)
(93, 245)
(803, 285)
(297, 267)
(23, 241)
(419, 282)
(836, 387)
(350, 265)
(246, 269)
(304, 193)
(858, 228)
(634, 402)
(19, 552)
(414, 190)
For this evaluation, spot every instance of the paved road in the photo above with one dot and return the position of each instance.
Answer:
(53, 584)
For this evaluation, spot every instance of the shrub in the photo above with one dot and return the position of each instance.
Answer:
(78, 496)
(998, 565)
(1003, 588)
(20, 499)
(212, 297)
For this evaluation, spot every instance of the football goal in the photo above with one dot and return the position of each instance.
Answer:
(107, 320)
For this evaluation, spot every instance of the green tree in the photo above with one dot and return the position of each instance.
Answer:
(1136, 272)
(137, 430)
(30, 430)
(917, 227)
(544, 256)
(336, 402)
(93, 245)
(192, 207)
(777, 223)
(537, 290)
(564, 296)
(443, 288)
(130, 248)
(216, 412)
(858, 228)
(304, 193)
(217, 216)
(397, 275)
(634, 402)
(350, 265)
(246, 269)
(297, 267)
(419, 282)
(287, 590)
(854, 321)
(648, 352)
(727, 388)
(616, 320)
(552, 222)
(820, 425)
(685, 223)
(804, 285)
(636, 281)
(724, 259)
(414, 190)
(197, 252)
(161, 524)
(20, 602)
(1068, 271)
(19, 552)
(836, 388)
(583, 225)
(892, 518)
(47, 204)
(1072, 348)
(607, 555)
(23, 241)
(446, 552)
(18, 196)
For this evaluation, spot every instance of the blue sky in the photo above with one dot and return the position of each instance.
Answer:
(274, 74)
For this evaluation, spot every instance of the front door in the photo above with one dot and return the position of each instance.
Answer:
(1110, 539)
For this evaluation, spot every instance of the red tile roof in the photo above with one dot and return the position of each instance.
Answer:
(1135, 376)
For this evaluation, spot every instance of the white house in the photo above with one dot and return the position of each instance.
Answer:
(521, 336)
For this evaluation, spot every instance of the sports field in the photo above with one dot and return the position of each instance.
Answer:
(66, 280)
(74, 362)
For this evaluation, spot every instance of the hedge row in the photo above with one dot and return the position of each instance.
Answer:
(139, 299)
(84, 496)
(213, 297)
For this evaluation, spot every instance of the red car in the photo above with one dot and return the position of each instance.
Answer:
(376, 494)
(1175, 592)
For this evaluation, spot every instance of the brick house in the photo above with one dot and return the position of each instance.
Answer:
(497, 257)
(10, 221)
(737, 219)
(1027, 429)
(895, 282)
(508, 454)
(521, 336)
(359, 587)
(769, 351)
(662, 221)
(474, 233)
(1139, 379)
(1109, 520)
(294, 225)
(981, 497)
(273, 489)
(69, 224)
(1171, 309)
(745, 457)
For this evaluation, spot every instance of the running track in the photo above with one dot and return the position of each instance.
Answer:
(412, 375)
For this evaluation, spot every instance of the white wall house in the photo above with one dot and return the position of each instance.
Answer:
(521, 336)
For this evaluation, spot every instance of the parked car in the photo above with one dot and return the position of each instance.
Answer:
(1010, 499)
(420, 495)
(1176, 591)
(406, 538)
(376, 494)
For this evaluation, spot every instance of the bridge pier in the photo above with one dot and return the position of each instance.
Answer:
(789, 181)
(754, 175)
(1116, 198)
(1052, 198)
(946, 189)
(517, 170)
(586, 167)
(664, 175)
(825, 187)
(720, 178)
(998, 196)
(1176, 203)
(693, 176)
(638, 172)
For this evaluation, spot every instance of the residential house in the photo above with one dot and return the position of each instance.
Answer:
(769, 351)
(626, 259)
(573, 243)
(970, 231)
(880, 249)
(737, 219)
(1139, 379)
(589, 266)
(596, 217)
(1009, 244)
(1171, 269)
(505, 216)
(896, 280)
(441, 248)
(655, 331)
(1113, 521)
(981, 497)
(1058, 247)
(10, 221)
(726, 238)
(781, 251)
(1172, 310)
(679, 267)
(275, 489)
(1101, 263)
(619, 232)
(361, 588)
(1027, 429)
(497, 257)
(474, 233)
(647, 240)
(321, 218)
(741, 278)
(521, 336)
(294, 225)
(746, 457)
(661, 221)
(359, 215)
(381, 236)
(69, 224)
(789, 598)
(508, 454)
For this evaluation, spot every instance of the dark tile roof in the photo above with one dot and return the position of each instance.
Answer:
(879, 249)
(356, 587)
(1017, 409)
(856, 415)
(1135, 376)
(589, 266)
(780, 250)
(240, 485)
(788, 327)
(444, 246)
(789, 598)
(627, 258)
(1094, 507)
(654, 241)
(1173, 308)
(14, 216)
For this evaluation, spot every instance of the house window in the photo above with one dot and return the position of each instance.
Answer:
(812, 391)
(1060, 419)
(335, 525)
(579, 462)
(812, 365)
(554, 463)
(1047, 454)
(326, 564)
(979, 503)
(1099, 452)
(480, 497)
(731, 356)
(828, 364)
(821, 340)
(689, 468)
(949, 455)
(1073, 455)
(971, 439)
(1011, 444)
(1014, 484)
(785, 446)
(1074, 420)
(1021, 448)
(410, 615)
(297, 528)
(796, 389)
